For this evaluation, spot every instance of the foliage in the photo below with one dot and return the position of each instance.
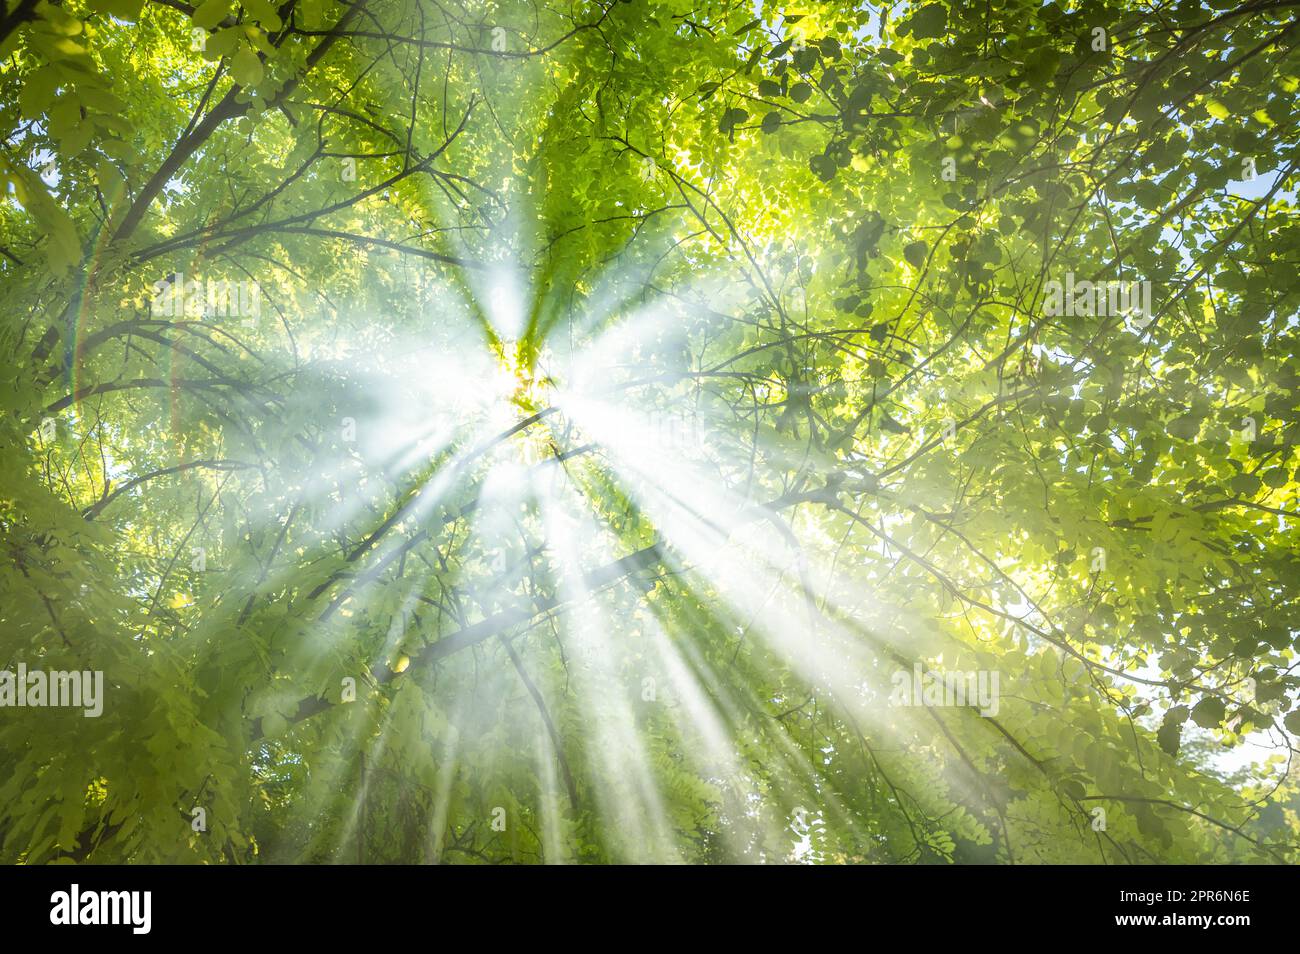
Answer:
(483, 252)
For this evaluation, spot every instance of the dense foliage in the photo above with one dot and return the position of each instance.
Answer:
(543, 431)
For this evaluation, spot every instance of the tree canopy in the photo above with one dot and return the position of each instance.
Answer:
(587, 430)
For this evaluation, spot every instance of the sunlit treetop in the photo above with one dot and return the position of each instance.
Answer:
(518, 432)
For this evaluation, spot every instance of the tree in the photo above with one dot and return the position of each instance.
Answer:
(607, 431)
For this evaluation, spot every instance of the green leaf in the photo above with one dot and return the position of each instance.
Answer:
(930, 21)
(211, 12)
(38, 92)
(1208, 713)
(1170, 737)
(62, 246)
(1244, 485)
(887, 423)
(246, 68)
(915, 253)
(264, 12)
